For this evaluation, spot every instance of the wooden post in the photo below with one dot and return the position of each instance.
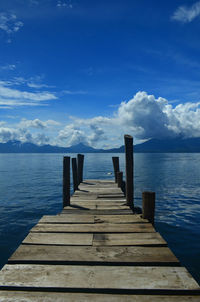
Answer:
(128, 140)
(119, 179)
(75, 174)
(80, 167)
(148, 206)
(115, 166)
(66, 181)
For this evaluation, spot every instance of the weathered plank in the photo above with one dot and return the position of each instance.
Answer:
(97, 201)
(73, 218)
(59, 238)
(83, 211)
(94, 205)
(97, 277)
(94, 228)
(32, 296)
(105, 254)
(141, 239)
(119, 219)
(67, 219)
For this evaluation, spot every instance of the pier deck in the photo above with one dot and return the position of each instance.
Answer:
(96, 249)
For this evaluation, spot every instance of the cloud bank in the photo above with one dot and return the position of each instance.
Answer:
(187, 14)
(144, 116)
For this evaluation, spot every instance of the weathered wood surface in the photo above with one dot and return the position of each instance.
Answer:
(94, 228)
(59, 238)
(96, 277)
(85, 210)
(142, 239)
(73, 218)
(119, 219)
(130, 254)
(96, 249)
(32, 296)
(68, 219)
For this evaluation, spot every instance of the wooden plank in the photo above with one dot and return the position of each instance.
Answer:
(94, 205)
(111, 207)
(68, 210)
(32, 296)
(93, 228)
(97, 277)
(59, 238)
(97, 201)
(67, 219)
(75, 207)
(141, 239)
(73, 218)
(130, 254)
(113, 196)
(119, 219)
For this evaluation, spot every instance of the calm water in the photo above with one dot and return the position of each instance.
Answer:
(31, 186)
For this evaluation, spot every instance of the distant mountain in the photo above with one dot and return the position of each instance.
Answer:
(19, 147)
(177, 145)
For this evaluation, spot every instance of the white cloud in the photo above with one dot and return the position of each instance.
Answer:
(41, 139)
(7, 134)
(23, 135)
(186, 14)
(72, 135)
(70, 92)
(38, 86)
(66, 4)
(9, 23)
(143, 116)
(15, 97)
(37, 123)
(8, 67)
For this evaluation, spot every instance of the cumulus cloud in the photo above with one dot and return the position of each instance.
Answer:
(22, 135)
(7, 134)
(187, 14)
(41, 139)
(73, 135)
(144, 117)
(37, 123)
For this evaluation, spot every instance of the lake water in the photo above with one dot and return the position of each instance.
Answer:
(31, 186)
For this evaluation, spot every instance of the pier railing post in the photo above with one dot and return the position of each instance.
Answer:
(115, 166)
(75, 174)
(80, 167)
(119, 179)
(128, 140)
(148, 206)
(66, 181)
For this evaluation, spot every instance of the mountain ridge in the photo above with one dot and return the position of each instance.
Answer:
(175, 145)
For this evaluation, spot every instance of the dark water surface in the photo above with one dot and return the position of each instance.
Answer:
(31, 186)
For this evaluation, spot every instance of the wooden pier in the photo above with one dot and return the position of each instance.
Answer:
(96, 249)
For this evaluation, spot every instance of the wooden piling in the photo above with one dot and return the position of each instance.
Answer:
(115, 166)
(80, 158)
(128, 141)
(66, 181)
(148, 206)
(119, 179)
(75, 174)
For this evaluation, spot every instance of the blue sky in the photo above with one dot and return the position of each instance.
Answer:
(90, 71)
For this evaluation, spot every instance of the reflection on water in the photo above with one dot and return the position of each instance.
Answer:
(31, 186)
